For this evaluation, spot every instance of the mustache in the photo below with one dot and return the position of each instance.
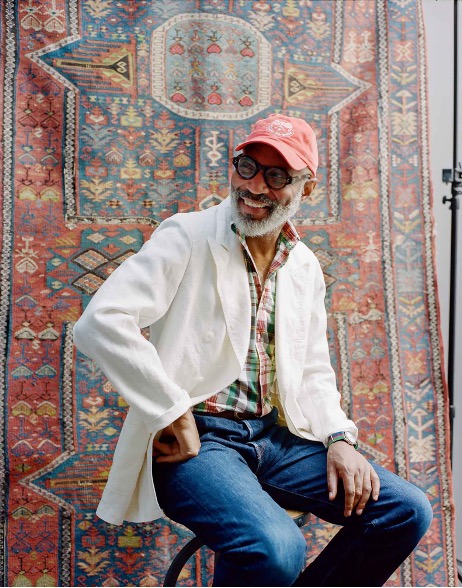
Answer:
(255, 197)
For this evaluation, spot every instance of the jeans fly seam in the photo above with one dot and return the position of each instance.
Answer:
(249, 428)
(259, 453)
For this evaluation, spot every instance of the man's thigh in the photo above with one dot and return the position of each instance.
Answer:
(218, 496)
(297, 479)
(294, 472)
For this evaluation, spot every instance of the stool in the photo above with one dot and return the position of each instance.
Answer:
(300, 518)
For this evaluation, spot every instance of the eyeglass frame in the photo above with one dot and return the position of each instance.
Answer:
(264, 169)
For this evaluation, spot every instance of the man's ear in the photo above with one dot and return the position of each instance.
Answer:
(309, 187)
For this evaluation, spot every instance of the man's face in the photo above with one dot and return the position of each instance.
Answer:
(257, 209)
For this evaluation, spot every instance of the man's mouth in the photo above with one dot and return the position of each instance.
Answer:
(253, 203)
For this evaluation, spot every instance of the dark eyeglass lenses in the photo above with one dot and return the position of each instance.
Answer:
(247, 168)
(275, 177)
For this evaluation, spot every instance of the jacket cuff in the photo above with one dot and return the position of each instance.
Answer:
(167, 418)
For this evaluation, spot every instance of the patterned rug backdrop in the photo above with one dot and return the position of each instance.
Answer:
(118, 114)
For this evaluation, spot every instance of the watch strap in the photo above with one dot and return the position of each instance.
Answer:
(340, 436)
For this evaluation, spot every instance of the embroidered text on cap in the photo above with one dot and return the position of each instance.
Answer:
(281, 128)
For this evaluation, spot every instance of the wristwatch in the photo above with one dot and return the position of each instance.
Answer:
(342, 436)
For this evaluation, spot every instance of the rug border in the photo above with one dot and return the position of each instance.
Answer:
(10, 65)
(431, 283)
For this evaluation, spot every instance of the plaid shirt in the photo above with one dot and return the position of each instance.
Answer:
(252, 391)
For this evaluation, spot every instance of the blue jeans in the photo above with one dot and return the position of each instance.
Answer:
(233, 495)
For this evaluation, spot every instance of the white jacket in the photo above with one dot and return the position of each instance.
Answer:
(188, 283)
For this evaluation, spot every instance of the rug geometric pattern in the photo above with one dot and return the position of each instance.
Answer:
(117, 115)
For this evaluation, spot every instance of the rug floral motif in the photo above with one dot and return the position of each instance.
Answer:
(117, 115)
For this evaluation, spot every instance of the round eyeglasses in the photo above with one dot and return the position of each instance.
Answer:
(275, 178)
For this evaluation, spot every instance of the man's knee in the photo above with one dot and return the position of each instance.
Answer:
(419, 511)
(407, 514)
(275, 556)
(281, 554)
(403, 509)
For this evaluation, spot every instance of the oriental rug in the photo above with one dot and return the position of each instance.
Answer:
(118, 114)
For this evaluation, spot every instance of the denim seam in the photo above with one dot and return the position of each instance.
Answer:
(249, 428)
(259, 451)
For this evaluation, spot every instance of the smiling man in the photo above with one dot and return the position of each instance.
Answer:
(234, 411)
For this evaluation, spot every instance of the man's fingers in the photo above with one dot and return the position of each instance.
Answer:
(332, 480)
(349, 487)
(371, 487)
(366, 489)
(375, 484)
(166, 448)
(179, 441)
(360, 480)
(172, 452)
(176, 457)
(359, 488)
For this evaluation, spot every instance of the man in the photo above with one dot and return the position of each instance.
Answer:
(235, 394)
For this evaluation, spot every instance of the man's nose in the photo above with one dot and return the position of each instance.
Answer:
(257, 184)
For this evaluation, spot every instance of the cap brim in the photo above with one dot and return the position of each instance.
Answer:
(287, 153)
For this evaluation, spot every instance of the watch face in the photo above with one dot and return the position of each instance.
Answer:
(349, 437)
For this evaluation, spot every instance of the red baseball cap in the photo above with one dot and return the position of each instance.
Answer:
(292, 137)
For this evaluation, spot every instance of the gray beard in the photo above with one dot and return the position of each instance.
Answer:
(276, 219)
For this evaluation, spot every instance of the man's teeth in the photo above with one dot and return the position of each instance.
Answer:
(253, 203)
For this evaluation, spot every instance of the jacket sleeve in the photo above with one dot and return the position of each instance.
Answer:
(321, 399)
(136, 295)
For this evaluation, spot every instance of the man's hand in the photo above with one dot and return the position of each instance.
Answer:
(179, 441)
(358, 476)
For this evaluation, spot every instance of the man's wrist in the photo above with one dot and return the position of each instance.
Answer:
(345, 436)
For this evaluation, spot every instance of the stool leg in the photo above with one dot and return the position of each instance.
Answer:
(180, 560)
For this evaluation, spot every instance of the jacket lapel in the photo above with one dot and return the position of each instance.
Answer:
(232, 282)
(293, 314)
